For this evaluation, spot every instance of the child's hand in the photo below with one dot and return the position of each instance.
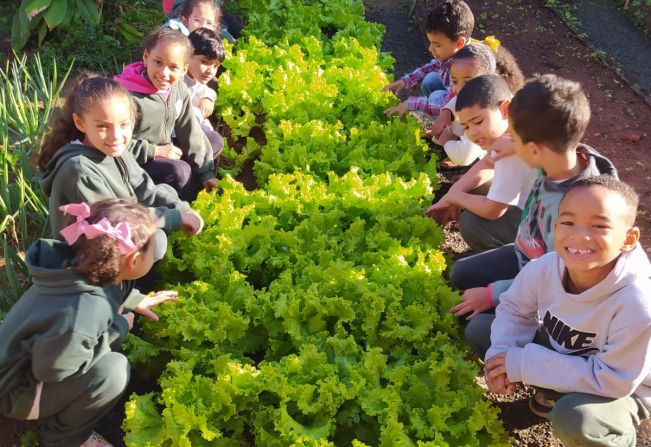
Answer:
(442, 122)
(400, 109)
(503, 146)
(473, 301)
(168, 151)
(210, 184)
(395, 86)
(206, 106)
(495, 375)
(144, 308)
(192, 222)
(443, 211)
(445, 136)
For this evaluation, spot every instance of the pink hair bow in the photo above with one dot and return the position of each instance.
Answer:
(120, 232)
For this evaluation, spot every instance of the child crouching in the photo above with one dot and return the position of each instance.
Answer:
(590, 356)
(57, 363)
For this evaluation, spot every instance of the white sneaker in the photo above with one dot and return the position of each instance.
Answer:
(96, 440)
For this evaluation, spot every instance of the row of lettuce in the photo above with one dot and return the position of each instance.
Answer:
(312, 310)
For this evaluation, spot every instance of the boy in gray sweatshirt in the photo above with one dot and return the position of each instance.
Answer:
(576, 323)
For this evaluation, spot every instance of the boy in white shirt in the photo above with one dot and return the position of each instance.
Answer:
(489, 221)
(590, 356)
(208, 56)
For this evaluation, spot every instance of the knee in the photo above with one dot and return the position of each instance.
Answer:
(114, 372)
(478, 334)
(180, 175)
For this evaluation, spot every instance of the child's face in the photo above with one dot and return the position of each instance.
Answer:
(461, 72)
(202, 69)
(442, 47)
(591, 231)
(165, 64)
(484, 126)
(107, 126)
(526, 151)
(202, 16)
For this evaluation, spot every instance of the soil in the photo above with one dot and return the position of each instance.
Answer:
(542, 43)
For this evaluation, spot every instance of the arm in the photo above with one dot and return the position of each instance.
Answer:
(164, 199)
(417, 75)
(480, 173)
(615, 372)
(142, 150)
(192, 138)
(431, 106)
(477, 204)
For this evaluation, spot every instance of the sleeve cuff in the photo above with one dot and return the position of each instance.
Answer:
(412, 102)
(513, 364)
(498, 288)
(134, 298)
(172, 220)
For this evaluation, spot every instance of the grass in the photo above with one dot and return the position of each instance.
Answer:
(28, 94)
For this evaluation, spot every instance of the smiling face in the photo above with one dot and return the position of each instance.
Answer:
(203, 15)
(442, 47)
(484, 125)
(592, 230)
(462, 71)
(202, 69)
(107, 125)
(165, 64)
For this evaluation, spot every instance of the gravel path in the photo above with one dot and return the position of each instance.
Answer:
(610, 30)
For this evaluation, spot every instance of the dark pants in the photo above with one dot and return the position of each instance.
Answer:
(175, 173)
(484, 268)
(70, 409)
(483, 234)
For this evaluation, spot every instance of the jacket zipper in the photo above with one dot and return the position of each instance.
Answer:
(122, 167)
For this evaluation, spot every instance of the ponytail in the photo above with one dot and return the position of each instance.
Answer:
(81, 93)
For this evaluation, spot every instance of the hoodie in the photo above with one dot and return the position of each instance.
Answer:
(78, 173)
(59, 328)
(600, 339)
(159, 116)
(535, 235)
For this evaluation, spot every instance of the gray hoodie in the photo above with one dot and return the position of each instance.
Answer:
(601, 338)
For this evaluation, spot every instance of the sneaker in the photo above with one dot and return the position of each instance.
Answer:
(542, 401)
(96, 440)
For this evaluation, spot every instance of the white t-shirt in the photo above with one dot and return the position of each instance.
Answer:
(512, 181)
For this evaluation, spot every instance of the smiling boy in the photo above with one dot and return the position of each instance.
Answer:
(449, 27)
(593, 346)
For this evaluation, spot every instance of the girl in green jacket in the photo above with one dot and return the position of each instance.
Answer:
(57, 363)
(85, 158)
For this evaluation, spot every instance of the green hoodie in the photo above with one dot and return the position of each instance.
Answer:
(59, 328)
(158, 118)
(78, 173)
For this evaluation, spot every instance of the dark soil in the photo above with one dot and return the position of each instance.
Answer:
(542, 43)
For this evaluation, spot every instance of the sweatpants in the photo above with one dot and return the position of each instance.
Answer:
(68, 410)
(483, 234)
(578, 419)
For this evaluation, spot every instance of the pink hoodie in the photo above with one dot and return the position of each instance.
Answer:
(133, 80)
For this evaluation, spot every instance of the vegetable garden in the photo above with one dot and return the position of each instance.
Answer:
(313, 310)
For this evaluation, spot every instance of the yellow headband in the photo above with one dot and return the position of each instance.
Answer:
(492, 42)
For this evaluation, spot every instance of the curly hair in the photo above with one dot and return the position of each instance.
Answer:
(168, 36)
(508, 69)
(453, 18)
(81, 93)
(611, 184)
(99, 259)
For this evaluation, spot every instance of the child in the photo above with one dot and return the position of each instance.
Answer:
(85, 158)
(592, 293)
(57, 362)
(164, 105)
(208, 56)
(489, 221)
(449, 27)
(471, 61)
(187, 16)
(547, 119)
